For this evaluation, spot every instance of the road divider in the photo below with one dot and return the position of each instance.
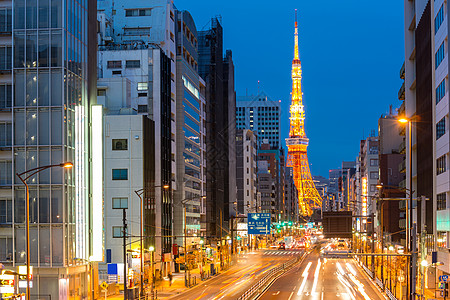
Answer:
(258, 288)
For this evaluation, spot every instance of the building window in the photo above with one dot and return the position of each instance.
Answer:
(439, 19)
(5, 96)
(374, 162)
(5, 211)
(5, 172)
(441, 201)
(5, 134)
(373, 175)
(119, 174)
(114, 64)
(440, 91)
(101, 92)
(440, 128)
(441, 165)
(130, 31)
(133, 64)
(119, 203)
(142, 86)
(143, 12)
(441, 239)
(5, 58)
(6, 249)
(120, 144)
(117, 231)
(440, 54)
(5, 20)
(142, 109)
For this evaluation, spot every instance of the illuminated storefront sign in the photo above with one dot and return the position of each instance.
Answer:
(80, 183)
(364, 198)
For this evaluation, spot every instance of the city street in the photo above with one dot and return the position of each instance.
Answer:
(321, 278)
(232, 283)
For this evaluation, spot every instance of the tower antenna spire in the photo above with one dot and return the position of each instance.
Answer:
(296, 56)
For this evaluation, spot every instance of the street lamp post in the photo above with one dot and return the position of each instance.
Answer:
(31, 173)
(141, 203)
(409, 220)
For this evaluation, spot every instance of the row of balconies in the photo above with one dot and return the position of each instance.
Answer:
(401, 92)
(402, 167)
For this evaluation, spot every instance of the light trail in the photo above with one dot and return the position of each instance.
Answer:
(316, 277)
(305, 277)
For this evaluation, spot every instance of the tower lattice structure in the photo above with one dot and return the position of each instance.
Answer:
(297, 143)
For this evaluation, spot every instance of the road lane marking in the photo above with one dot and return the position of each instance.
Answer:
(292, 293)
(245, 273)
(274, 294)
(305, 277)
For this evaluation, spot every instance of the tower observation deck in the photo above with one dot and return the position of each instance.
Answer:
(297, 143)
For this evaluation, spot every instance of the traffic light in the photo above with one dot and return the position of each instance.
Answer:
(290, 223)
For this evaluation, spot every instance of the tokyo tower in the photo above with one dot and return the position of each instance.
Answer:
(297, 143)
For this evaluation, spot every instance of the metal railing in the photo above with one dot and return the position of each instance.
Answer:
(267, 279)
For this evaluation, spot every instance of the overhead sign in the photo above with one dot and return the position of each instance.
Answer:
(258, 223)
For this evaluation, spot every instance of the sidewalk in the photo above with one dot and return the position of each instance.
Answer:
(165, 290)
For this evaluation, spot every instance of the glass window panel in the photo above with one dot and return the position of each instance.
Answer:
(57, 173)
(31, 131)
(44, 13)
(19, 88)
(188, 121)
(56, 13)
(44, 205)
(31, 14)
(31, 50)
(43, 49)
(19, 127)
(33, 205)
(5, 172)
(57, 204)
(44, 127)
(19, 206)
(56, 51)
(20, 245)
(19, 11)
(19, 50)
(56, 88)
(31, 95)
(32, 162)
(57, 245)
(44, 85)
(44, 245)
(56, 128)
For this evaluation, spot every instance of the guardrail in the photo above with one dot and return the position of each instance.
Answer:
(268, 278)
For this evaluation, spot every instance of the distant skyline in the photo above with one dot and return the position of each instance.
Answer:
(351, 56)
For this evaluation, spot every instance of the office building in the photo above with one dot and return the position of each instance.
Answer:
(47, 98)
(126, 50)
(260, 114)
(291, 196)
(246, 170)
(190, 134)
(276, 168)
(218, 72)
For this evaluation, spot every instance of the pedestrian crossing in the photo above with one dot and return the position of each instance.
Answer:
(275, 252)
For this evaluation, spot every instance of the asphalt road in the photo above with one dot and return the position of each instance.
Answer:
(234, 282)
(319, 278)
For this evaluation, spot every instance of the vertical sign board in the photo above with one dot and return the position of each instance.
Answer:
(258, 223)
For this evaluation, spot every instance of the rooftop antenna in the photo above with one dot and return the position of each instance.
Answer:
(258, 86)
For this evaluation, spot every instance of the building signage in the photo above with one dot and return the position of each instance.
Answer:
(258, 223)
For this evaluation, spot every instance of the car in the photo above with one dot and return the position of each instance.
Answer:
(282, 246)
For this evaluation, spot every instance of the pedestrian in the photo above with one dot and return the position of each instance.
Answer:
(170, 278)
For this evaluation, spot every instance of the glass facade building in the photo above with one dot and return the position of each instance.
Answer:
(45, 101)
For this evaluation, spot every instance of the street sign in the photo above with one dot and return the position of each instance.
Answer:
(104, 285)
(258, 223)
(443, 278)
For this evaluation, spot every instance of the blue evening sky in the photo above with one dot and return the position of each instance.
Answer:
(351, 53)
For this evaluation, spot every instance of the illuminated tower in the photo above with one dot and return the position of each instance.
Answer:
(297, 142)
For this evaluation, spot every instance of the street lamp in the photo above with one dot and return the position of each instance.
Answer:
(141, 203)
(31, 173)
(404, 120)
